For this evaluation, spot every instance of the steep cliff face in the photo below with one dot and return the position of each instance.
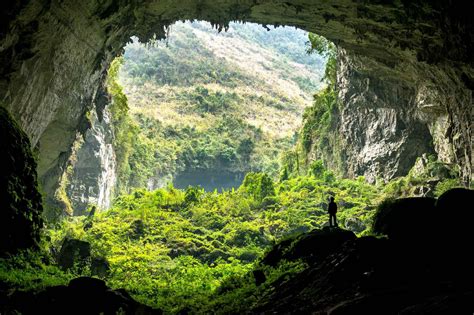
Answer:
(55, 54)
(378, 125)
(94, 172)
(384, 122)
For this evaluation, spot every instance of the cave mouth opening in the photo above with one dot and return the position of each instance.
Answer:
(402, 41)
(204, 107)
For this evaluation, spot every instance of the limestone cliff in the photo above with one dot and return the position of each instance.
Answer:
(377, 130)
(94, 172)
(383, 123)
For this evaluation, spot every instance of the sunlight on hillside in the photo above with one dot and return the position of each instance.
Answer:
(228, 103)
(268, 81)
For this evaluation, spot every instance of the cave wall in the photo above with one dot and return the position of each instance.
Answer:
(93, 177)
(21, 206)
(379, 124)
(386, 121)
(55, 55)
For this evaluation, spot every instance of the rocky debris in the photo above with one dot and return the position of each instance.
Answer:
(83, 295)
(75, 253)
(20, 202)
(427, 271)
(354, 224)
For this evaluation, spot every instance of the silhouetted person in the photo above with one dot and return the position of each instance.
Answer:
(332, 210)
(92, 212)
(88, 220)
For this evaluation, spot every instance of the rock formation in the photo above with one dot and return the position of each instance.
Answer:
(94, 173)
(82, 295)
(55, 56)
(415, 270)
(20, 202)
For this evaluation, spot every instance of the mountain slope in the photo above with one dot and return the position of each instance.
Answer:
(222, 104)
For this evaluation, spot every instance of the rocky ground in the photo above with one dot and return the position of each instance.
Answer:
(424, 266)
(82, 296)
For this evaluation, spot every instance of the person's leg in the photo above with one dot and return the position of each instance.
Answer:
(335, 220)
(330, 220)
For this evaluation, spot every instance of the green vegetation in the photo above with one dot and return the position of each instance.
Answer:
(177, 249)
(196, 106)
(32, 270)
(428, 177)
(317, 139)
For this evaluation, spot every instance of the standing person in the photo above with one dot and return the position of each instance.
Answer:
(332, 210)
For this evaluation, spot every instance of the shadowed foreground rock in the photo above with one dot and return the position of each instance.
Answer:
(425, 265)
(20, 201)
(82, 296)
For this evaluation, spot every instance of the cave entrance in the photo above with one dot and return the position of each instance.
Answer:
(56, 58)
(206, 107)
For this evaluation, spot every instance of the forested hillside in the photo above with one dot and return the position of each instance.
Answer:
(209, 107)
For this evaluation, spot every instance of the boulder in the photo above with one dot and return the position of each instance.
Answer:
(354, 224)
(100, 267)
(259, 277)
(313, 246)
(405, 220)
(74, 252)
(83, 295)
(458, 203)
(452, 244)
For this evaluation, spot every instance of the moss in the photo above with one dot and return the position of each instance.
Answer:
(20, 201)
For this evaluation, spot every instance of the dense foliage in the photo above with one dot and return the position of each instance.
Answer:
(175, 249)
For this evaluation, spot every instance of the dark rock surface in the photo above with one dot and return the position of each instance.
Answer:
(428, 271)
(74, 252)
(82, 296)
(309, 246)
(20, 202)
(100, 267)
(402, 219)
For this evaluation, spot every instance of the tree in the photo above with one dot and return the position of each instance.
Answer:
(322, 46)
(316, 168)
(259, 185)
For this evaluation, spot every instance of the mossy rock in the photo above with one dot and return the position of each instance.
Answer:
(20, 201)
